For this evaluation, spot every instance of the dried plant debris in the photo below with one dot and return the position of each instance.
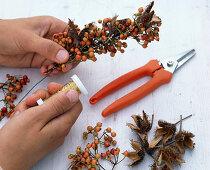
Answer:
(168, 155)
(143, 125)
(183, 139)
(166, 129)
(137, 155)
(166, 148)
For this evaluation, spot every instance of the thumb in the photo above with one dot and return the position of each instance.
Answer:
(49, 49)
(57, 105)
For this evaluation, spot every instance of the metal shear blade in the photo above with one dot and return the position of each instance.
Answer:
(173, 64)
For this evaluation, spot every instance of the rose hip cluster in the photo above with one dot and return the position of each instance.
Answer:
(10, 88)
(91, 155)
(85, 44)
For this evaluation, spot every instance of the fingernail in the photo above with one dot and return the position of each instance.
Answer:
(73, 96)
(16, 113)
(62, 55)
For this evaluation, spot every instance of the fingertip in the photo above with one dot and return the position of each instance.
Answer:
(32, 100)
(43, 70)
(54, 87)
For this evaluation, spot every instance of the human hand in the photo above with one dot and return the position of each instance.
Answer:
(34, 131)
(26, 42)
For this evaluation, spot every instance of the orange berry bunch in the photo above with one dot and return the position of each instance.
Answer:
(84, 44)
(89, 157)
(10, 88)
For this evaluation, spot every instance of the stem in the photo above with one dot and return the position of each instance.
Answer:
(101, 166)
(113, 166)
(183, 119)
(180, 124)
(121, 159)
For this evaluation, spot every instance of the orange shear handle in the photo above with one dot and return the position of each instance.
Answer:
(159, 78)
(126, 79)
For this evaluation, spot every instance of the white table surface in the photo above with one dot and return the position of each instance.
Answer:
(186, 25)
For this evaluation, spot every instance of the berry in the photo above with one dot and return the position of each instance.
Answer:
(103, 155)
(18, 87)
(14, 96)
(112, 151)
(94, 162)
(140, 9)
(12, 106)
(114, 142)
(157, 38)
(10, 89)
(110, 139)
(96, 141)
(106, 144)
(108, 129)
(89, 128)
(86, 154)
(93, 145)
(95, 134)
(88, 145)
(99, 124)
(84, 58)
(91, 54)
(125, 153)
(97, 156)
(4, 110)
(97, 129)
(108, 152)
(78, 57)
(113, 134)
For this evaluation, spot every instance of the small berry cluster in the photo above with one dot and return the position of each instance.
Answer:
(90, 156)
(84, 44)
(10, 88)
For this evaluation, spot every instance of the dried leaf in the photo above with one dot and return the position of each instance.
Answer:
(135, 145)
(155, 20)
(133, 127)
(169, 154)
(183, 139)
(133, 163)
(72, 32)
(169, 164)
(112, 25)
(133, 155)
(149, 7)
(159, 161)
(167, 130)
(145, 118)
(180, 146)
(160, 131)
(154, 142)
(168, 136)
(136, 157)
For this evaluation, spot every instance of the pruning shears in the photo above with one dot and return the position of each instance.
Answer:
(161, 72)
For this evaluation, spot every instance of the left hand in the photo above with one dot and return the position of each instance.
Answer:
(26, 42)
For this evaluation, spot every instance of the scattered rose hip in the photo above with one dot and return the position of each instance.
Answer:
(91, 155)
(84, 44)
(10, 88)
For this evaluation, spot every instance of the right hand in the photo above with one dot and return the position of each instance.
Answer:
(34, 131)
